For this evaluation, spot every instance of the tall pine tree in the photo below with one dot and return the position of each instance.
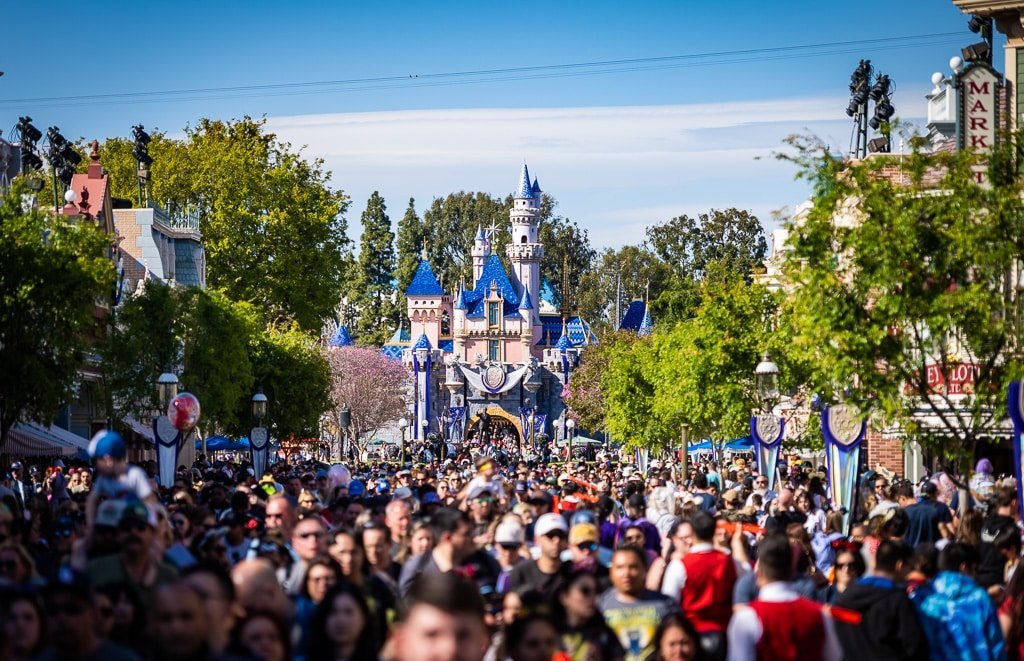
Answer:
(374, 294)
(410, 241)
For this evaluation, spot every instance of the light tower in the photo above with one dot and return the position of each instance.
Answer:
(524, 251)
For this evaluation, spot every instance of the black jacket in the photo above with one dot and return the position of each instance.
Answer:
(888, 626)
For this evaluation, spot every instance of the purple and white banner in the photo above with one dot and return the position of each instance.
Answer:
(843, 426)
(767, 431)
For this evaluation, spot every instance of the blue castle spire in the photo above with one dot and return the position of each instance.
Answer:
(424, 283)
(524, 191)
(535, 188)
(526, 303)
(341, 338)
(460, 298)
(422, 343)
(563, 343)
(645, 324)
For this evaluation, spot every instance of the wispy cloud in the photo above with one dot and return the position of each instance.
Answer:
(616, 169)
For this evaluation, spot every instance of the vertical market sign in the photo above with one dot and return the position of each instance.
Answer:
(978, 112)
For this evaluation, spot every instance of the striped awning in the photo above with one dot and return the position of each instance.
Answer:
(140, 428)
(29, 439)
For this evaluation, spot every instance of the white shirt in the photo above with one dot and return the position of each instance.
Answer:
(745, 628)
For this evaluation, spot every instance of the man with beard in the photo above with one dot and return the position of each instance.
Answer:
(134, 564)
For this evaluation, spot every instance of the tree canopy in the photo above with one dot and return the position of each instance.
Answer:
(373, 291)
(54, 272)
(902, 300)
(273, 229)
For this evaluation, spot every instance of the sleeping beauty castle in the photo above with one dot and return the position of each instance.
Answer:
(491, 361)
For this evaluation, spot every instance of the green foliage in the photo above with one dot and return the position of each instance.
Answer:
(632, 271)
(409, 244)
(733, 239)
(200, 332)
(373, 293)
(450, 225)
(294, 375)
(272, 229)
(698, 371)
(217, 368)
(53, 273)
(891, 278)
(585, 399)
(566, 245)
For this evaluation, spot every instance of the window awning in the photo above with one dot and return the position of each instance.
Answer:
(140, 428)
(29, 439)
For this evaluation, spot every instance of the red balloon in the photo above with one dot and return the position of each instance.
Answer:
(184, 411)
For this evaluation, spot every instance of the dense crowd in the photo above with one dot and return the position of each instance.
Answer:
(472, 559)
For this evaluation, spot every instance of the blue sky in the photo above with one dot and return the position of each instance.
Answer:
(619, 146)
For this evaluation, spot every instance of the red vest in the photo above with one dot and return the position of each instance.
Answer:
(707, 594)
(791, 630)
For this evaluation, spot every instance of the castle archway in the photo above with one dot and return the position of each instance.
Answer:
(499, 421)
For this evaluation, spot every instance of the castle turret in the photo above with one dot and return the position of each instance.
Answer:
(481, 251)
(524, 251)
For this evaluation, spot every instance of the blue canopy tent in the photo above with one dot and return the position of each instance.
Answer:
(745, 444)
(220, 443)
(697, 448)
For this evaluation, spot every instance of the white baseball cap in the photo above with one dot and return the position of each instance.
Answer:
(549, 523)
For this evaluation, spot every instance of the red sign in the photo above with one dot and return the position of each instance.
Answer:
(959, 378)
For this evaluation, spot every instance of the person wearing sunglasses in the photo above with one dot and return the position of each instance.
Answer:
(849, 566)
(73, 622)
(135, 563)
(582, 626)
(546, 573)
(889, 627)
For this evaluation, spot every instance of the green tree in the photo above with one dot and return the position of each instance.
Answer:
(732, 238)
(628, 273)
(217, 366)
(566, 244)
(273, 229)
(202, 333)
(374, 292)
(586, 400)
(54, 272)
(893, 281)
(410, 245)
(294, 375)
(451, 224)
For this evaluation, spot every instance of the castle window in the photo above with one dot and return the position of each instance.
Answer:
(492, 314)
(493, 350)
(446, 324)
(524, 239)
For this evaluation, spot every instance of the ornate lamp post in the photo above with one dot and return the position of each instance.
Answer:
(403, 424)
(570, 424)
(684, 459)
(559, 425)
(766, 428)
(446, 419)
(259, 437)
(533, 433)
(344, 422)
(166, 435)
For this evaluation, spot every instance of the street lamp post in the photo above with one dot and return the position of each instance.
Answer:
(570, 424)
(684, 460)
(167, 437)
(424, 426)
(445, 421)
(259, 437)
(766, 428)
(403, 424)
(344, 422)
(558, 424)
(533, 434)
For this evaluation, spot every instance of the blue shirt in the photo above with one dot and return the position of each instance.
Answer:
(959, 618)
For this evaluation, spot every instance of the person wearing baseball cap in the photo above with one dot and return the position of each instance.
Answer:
(509, 538)
(115, 477)
(547, 573)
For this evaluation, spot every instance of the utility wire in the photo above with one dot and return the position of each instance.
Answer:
(565, 70)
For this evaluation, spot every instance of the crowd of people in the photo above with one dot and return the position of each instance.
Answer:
(472, 559)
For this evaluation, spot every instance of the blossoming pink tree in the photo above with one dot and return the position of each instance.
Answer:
(371, 385)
